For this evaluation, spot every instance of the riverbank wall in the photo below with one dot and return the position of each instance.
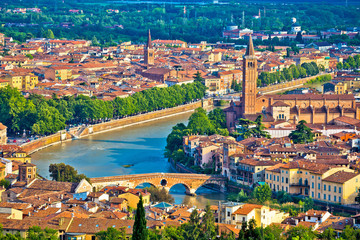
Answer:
(289, 85)
(84, 131)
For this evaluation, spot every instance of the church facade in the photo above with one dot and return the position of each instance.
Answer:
(313, 108)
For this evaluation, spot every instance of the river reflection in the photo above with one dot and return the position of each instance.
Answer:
(131, 150)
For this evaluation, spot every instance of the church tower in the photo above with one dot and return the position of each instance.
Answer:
(250, 75)
(149, 52)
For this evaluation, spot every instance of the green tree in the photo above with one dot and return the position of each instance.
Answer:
(36, 233)
(29, 56)
(328, 234)
(160, 195)
(300, 233)
(140, 231)
(200, 123)
(339, 66)
(65, 173)
(50, 34)
(208, 224)
(302, 134)
(111, 234)
(197, 77)
(262, 193)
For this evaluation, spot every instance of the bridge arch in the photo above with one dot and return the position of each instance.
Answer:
(144, 183)
(187, 188)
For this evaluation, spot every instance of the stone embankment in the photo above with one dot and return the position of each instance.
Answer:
(289, 85)
(83, 131)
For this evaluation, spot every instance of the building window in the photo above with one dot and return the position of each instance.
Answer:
(324, 187)
(339, 189)
(287, 180)
(312, 194)
(334, 198)
(339, 199)
(329, 197)
(267, 176)
(312, 185)
(286, 189)
(334, 188)
(319, 186)
(324, 196)
(329, 188)
(282, 179)
(228, 213)
(278, 179)
(318, 195)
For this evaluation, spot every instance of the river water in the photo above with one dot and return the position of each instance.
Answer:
(105, 154)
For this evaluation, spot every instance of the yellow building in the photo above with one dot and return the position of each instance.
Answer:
(4, 83)
(314, 180)
(341, 187)
(133, 198)
(14, 153)
(22, 81)
(341, 88)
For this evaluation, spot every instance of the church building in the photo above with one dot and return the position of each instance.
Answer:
(313, 108)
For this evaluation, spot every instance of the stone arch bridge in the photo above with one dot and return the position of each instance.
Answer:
(167, 180)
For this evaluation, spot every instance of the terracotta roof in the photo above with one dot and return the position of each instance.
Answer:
(280, 104)
(246, 209)
(341, 177)
(2, 127)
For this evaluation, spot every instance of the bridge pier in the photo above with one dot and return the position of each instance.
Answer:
(190, 192)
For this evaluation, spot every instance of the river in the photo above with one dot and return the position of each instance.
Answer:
(105, 154)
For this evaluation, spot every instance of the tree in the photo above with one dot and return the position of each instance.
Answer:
(111, 234)
(140, 231)
(299, 37)
(262, 193)
(339, 66)
(29, 56)
(94, 41)
(200, 123)
(208, 223)
(197, 77)
(160, 195)
(4, 183)
(65, 173)
(302, 134)
(300, 233)
(36, 233)
(50, 34)
(328, 234)
(252, 128)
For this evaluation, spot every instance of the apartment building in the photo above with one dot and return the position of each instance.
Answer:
(318, 181)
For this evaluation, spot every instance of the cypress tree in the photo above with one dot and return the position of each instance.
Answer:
(140, 231)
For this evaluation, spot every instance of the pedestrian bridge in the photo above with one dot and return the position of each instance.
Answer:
(166, 180)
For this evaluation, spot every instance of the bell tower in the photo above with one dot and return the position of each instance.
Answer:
(250, 75)
(149, 52)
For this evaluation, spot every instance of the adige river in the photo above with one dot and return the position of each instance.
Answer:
(109, 154)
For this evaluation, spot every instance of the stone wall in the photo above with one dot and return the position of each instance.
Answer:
(288, 85)
(62, 136)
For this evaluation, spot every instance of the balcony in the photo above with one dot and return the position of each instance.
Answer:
(299, 185)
